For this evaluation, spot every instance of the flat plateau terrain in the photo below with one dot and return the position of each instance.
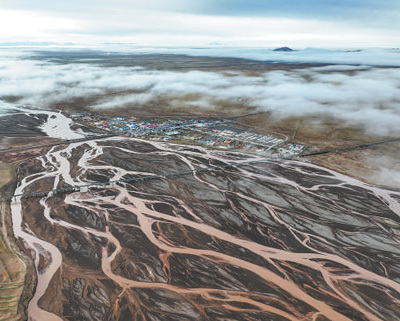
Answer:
(319, 132)
(273, 239)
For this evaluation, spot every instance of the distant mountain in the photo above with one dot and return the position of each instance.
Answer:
(287, 49)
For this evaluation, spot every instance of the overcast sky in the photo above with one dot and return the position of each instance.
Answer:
(296, 23)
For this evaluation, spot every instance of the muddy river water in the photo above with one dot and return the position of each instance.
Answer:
(274, 240)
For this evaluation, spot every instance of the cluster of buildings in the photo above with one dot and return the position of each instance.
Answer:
(134, 128)
(219, 133)
(236, 135)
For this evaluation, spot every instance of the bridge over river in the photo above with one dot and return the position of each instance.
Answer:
(86, 187)
(83, 188)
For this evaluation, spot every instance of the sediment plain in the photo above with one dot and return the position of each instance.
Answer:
(279, 240)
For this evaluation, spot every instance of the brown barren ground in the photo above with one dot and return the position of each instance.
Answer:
(16, 281)
(376, 165)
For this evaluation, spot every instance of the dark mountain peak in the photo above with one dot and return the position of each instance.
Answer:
(284, 49)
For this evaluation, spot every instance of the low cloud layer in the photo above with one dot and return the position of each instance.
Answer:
(386, 170)
(369, 56)
(362, 96)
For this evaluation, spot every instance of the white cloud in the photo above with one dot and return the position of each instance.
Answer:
(368, 97)
(389, 170)
(118, 101)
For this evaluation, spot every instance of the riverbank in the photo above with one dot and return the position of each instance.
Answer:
(17, 276)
